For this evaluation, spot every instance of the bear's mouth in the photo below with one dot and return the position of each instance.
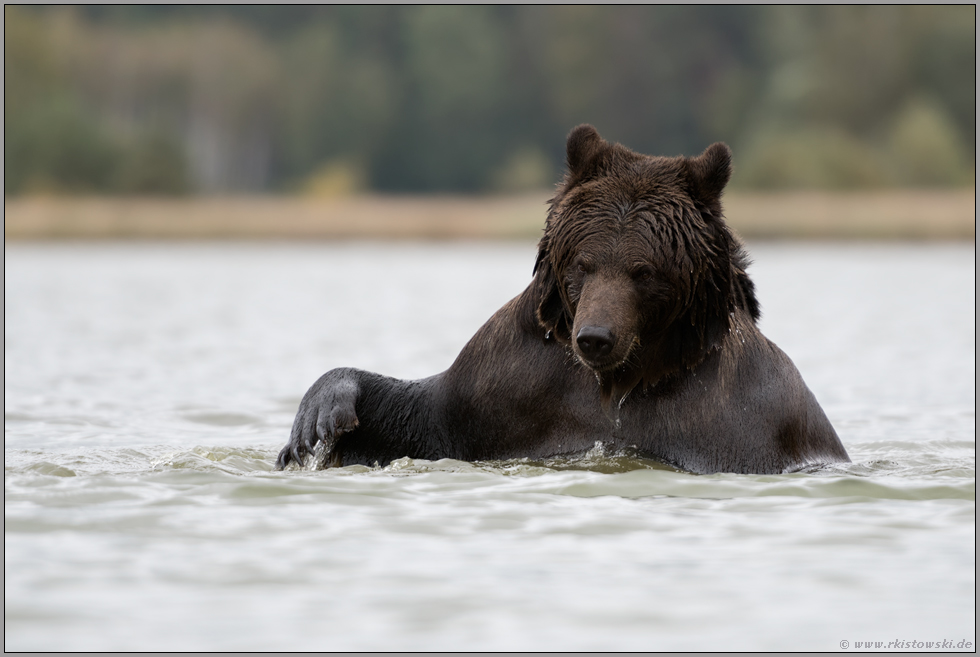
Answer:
(600, 367)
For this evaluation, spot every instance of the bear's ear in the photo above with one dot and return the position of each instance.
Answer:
(709, 172)
(582, 147)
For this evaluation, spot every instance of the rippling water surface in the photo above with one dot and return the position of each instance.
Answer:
(148, 388)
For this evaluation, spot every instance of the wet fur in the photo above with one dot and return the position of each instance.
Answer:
(636, 245)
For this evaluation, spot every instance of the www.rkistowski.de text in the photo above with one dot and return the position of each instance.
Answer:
(948, 644)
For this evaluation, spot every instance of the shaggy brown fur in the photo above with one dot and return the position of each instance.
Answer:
(638, 330)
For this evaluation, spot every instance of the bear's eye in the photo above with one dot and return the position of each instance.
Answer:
(583, 267)
(643, 274)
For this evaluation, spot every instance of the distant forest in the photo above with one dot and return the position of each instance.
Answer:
(477, 99)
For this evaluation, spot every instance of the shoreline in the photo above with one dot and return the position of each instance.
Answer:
(890, 214)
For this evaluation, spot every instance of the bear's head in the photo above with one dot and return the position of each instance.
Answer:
(637, 271)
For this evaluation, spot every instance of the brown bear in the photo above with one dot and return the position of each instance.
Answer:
(637, 331)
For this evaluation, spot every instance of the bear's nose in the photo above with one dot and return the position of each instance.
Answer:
(595, 342)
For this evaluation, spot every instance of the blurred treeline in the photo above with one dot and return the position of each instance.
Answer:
(166, 100)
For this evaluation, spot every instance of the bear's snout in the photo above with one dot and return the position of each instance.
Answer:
(605, 322)
(595, 343)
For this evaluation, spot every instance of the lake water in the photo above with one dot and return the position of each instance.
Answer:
(149, 387)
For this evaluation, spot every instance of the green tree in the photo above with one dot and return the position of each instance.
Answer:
(166, 99)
